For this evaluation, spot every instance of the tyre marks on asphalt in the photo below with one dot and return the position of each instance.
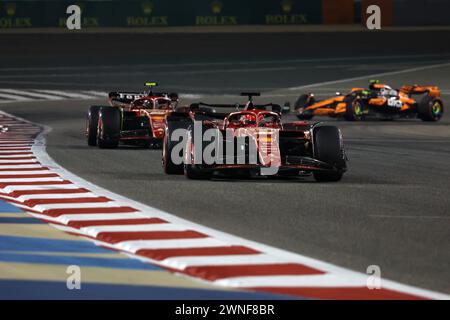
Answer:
(40, 188)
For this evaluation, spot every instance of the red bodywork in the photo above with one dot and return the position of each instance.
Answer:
(153, 107)
(264, 128)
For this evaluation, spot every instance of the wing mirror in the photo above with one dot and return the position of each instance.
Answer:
(338, 93)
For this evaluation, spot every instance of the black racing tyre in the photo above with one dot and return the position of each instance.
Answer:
(353, 110)
(430, 109)
(303, 101)
(168, 164)
(328, 147)
(108, 133)
(196, 172)
(91, 125)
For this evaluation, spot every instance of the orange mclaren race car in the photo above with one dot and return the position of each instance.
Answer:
(379, 101)
(132, 118)
(250, 140)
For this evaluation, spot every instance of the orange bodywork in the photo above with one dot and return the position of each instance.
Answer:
(336, 106)
(341, 107)
(377, 101)
(433, 91)
(322, 108)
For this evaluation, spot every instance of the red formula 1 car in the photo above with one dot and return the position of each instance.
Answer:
(132, 118)
(250, 141)
(379, 101)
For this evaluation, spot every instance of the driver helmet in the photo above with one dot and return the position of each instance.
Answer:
(246, 119)
(373, 83)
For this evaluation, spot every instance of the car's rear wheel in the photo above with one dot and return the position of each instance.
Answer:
(196, 172)
(92, 125)
(108, 133)
(328, 147)
(430, 109)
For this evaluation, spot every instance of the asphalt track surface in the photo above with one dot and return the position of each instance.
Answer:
(392, 207)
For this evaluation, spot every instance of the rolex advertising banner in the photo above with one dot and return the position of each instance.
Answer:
(262, 12)
(22, 15)
(36, 14)
(160, 13)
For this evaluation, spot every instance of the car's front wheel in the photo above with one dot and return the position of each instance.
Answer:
(108, 132)
(92, 125)
(328, 147)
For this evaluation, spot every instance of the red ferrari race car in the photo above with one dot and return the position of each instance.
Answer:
(133, 118)
(379, 101)
(250, 140)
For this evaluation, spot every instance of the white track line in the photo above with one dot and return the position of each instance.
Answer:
(25, 172)
(66, 94)
(183, 262)
(2, 180)
(18, 152)
(66, 218)
(99, 94)
(56, 196)
(30, 95)
(14, 97)
(83, 205)
(224, 63)
(9, 189)
(322, 281)
(319, 84)
(134, 246)
(94, 231)
(18, 161)
(18, 156)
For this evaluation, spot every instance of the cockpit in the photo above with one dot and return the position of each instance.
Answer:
(159, 103)
(253, 120)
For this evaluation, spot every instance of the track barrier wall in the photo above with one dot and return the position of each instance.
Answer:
(160, 13)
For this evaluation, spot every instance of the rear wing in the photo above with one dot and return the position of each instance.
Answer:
(433, 91)
(201, 106)
(128, 97)
(213, 108)
(125, 97)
